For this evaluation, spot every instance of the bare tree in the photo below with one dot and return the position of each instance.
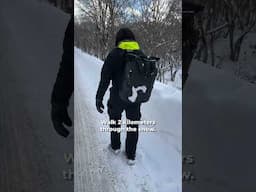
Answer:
(159, 30)
(240, 16)
(156, 24)
(103, 15)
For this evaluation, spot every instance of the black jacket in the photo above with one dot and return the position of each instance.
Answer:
(112, 70)
(64, 84)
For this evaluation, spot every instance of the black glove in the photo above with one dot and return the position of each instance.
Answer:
(99, 106)
(59, 115)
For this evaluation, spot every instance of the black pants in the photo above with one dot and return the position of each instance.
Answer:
(115, 109)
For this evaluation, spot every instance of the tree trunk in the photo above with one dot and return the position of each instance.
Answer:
(212, 50)
(231, 41)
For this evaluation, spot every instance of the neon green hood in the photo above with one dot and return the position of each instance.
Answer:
(129, 45)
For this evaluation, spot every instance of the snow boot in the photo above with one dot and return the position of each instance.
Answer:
(131, 162)
(115, 151)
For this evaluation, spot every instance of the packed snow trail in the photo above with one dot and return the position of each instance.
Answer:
(30, 53)
(158, 161)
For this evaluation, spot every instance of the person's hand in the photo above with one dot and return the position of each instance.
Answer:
(59, 115)
(99, 106)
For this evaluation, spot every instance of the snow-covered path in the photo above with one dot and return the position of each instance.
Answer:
(158, 167)
(30, 52)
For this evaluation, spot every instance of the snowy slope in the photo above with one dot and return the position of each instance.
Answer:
(219, 130)
(245, 67)
(158, 167)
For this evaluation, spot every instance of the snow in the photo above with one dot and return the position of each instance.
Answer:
(158, 162)
(30, 52)
(178, 79)
(219, 130)
(244, 68)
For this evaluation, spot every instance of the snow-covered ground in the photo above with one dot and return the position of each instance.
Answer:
(245, 67)
(219, 130)
(30, 52)
(159, 161)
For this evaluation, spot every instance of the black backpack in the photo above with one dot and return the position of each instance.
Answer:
(138, 77)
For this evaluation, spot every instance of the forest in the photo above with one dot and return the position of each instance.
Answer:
(227, 36)
(156, 24)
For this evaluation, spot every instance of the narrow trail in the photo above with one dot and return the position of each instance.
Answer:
(158, 167)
